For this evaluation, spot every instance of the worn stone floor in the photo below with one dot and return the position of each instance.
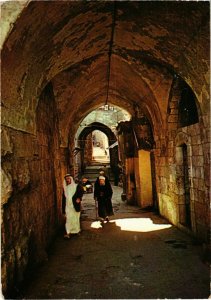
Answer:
(137, 255)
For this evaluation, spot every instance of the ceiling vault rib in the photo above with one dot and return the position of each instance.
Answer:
(110, 49)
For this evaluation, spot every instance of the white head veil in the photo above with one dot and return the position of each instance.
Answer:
(69, 189)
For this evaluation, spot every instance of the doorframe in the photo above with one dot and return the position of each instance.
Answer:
(180, 179)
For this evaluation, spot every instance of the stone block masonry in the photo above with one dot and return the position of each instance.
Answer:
(32, 194)
(170, 170)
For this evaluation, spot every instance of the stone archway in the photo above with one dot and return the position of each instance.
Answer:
(111, 138)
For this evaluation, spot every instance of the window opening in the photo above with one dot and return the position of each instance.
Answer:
(188, 113)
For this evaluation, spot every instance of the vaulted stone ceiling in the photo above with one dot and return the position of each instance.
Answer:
(67, 42)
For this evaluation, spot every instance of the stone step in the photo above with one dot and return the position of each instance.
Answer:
(100, 162)
(92, 172)
(96, 165)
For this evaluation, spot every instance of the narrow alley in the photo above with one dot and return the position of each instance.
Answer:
(137, 255)
(113, 88)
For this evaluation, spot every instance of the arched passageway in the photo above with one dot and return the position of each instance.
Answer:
(82, 140)
(75, 57)
(100, 150)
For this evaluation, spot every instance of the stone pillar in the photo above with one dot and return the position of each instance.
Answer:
(127, 150)
(145, 176)
(122, 160)
(130, 181)
(88, 150)
(144, 144)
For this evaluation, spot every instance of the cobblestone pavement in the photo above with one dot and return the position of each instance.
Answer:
(137, 255)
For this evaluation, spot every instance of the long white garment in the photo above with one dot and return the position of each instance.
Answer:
(72, 217)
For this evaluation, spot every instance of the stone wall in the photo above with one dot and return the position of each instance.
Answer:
(32, 193)
(109, 118)
(88, 150)
(170, 169)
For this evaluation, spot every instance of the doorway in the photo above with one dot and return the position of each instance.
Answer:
(185, 204)
(186, 187)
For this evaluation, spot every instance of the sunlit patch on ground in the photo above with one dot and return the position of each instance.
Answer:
(139, 224)
(96, 225)
(134, 224)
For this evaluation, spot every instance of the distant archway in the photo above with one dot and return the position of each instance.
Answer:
(113, 151)
(100, 146)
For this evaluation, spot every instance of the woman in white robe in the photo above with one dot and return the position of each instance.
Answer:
(71, 203)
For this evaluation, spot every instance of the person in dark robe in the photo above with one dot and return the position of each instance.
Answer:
(71, 205)
(102, 173)
(103, 193)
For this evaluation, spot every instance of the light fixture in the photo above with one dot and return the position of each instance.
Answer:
(106, 107)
